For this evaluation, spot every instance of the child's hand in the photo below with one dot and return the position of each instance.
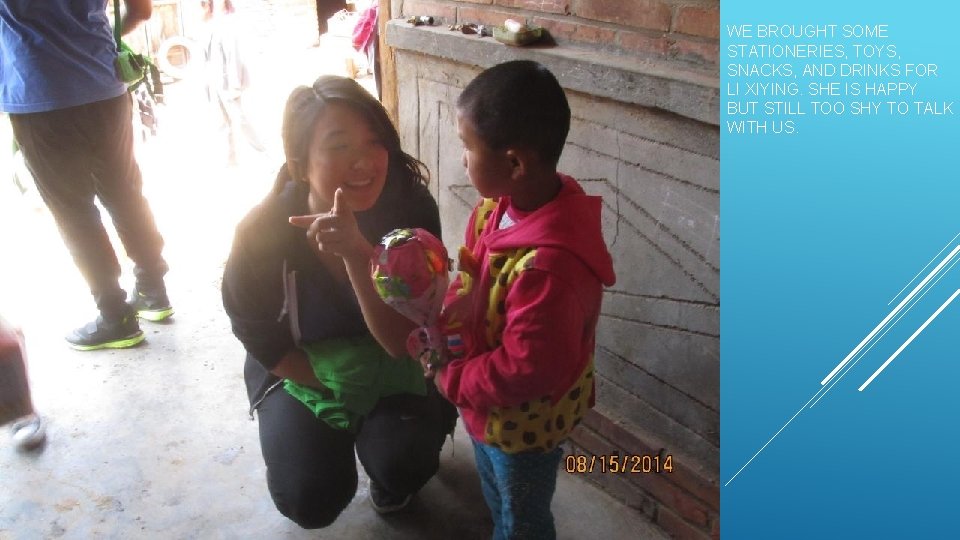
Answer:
(428, 363)
(433, 363)
(429, 370)
(335, 231)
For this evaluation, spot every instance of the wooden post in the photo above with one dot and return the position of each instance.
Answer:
(388, 67)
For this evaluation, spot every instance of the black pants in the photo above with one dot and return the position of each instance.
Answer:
(83, 152)
(311, 468)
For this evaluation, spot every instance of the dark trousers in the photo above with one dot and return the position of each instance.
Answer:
(83, 152)
(311, 468)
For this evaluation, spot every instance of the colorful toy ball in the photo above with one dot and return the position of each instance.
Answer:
(410, 272)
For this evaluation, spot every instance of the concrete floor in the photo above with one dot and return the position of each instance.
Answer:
(155, 442)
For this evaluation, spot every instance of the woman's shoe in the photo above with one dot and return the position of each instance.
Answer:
(387, 503)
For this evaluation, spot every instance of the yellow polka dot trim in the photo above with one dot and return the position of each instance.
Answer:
(539, 425)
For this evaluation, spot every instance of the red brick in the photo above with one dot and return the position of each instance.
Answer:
(683, 475)
(658, 485)
(570, 31)
(707, 52)
(616, 433)
(591, 442)
(643, 43)
(425, 7)
(715, 529)
(486, 16)
(545, 6)
(675, 498)
(617, 487)
(649, 14)
(677, 528)
(594, 34)
(559, 29)
(698, 21)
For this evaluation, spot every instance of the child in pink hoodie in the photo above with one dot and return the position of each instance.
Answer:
(523, 312)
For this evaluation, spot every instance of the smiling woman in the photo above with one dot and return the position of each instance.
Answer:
(322, 368)
(346, 154)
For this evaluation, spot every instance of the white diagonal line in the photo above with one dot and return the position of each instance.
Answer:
(857, 350)
(910, 339)
(891, 315)
(868, 349)
(772, 438)
(924, 268)
(880, 337)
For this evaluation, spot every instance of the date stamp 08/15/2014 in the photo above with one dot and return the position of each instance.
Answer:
(618, 463)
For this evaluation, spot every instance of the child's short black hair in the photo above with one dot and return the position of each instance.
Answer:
(518, 103)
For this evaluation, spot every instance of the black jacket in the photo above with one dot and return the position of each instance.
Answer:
(278, 294)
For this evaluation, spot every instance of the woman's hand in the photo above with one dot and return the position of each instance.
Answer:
(335, 231)
(295, 365)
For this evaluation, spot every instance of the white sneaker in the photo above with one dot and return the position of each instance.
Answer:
(28, 433)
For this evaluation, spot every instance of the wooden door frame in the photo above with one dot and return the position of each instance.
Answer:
(388, 66)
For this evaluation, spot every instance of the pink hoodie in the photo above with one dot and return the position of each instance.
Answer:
(529, 300)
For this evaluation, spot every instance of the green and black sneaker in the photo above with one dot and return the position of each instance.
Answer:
(103, 334)
(152, 307)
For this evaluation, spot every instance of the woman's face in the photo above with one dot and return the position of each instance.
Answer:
(347, 153)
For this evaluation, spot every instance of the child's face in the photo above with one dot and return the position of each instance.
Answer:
(489, 170)
(345, 153)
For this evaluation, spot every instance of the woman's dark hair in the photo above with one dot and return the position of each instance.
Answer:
(300, 116)
(518, 103)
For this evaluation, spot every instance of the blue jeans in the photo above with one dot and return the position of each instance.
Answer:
(518, 489)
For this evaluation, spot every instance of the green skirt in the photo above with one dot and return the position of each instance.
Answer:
(355, 373)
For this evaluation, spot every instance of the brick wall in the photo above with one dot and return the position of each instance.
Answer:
(683, 30)
(652, 153)
(647, 143)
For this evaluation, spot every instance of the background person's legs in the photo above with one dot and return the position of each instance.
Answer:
(56, 149)
(119, 185)
(240, 132)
